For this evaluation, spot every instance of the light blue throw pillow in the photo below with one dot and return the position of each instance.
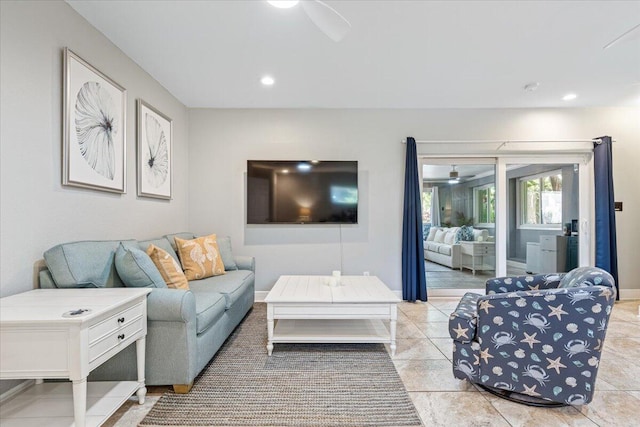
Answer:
(224, 244)
(136, 269)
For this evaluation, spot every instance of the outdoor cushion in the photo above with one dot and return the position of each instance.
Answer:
(232, 285)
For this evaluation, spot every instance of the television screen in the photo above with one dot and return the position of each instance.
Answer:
(302, 192)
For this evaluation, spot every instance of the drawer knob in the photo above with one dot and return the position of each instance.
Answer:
(121, 320)
(121, 336)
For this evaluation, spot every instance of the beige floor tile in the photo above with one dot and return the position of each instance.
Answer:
(430, 375)
(628, 348)
(435, 329)
(418, 306)
(445, 345)
(635, 394)
(519, 415)
(625, 312)
(612, 408)
(416, 349)
(623, 374)
(444, 303)
(456, 409)
(617, 329)
(426, 316)
(408, 330)
(131, 413)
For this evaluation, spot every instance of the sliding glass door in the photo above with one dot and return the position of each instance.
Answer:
(459, 217)
(485, 217)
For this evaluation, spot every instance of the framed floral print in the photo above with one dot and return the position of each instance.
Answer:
(94, 128)
(155, 138)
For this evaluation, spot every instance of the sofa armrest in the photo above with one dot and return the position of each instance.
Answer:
(171, 305)
(246, 263)
(464, 319)
(499, 285)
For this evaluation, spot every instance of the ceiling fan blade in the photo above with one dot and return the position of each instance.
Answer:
(627, 35)
(334, 25)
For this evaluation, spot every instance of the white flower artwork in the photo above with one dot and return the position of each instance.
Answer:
(154, 152)
(94, 128)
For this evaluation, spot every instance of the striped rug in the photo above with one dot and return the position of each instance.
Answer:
(323, 385)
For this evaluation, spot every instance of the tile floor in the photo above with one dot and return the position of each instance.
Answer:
(423, 360)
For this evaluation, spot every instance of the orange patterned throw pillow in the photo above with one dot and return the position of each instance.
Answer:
(200, 257)
(169, 268)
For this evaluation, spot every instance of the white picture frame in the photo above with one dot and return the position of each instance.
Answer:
(155, 155)
(94, 127)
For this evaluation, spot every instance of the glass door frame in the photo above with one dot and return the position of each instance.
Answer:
(584, 160)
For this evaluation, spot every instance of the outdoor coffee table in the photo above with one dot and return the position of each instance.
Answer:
(306, 309)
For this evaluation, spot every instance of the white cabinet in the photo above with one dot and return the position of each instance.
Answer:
(553, 254)
(66, 333)
(533, 257)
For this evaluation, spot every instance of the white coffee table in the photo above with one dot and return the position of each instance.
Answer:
(305, 309)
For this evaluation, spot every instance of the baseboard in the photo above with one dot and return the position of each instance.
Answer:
(15, 390)
(516, 264)
(451, 293)
(629, 293)
(260, 295)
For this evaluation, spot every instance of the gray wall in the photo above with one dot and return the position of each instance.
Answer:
(37, 212)
(221, 141)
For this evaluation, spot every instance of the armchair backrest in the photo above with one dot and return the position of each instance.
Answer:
(587, 276)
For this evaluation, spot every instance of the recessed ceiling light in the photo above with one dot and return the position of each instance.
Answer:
(267, 81)
(285, 171)
(531, 87)
(569, 97)
(283, 4)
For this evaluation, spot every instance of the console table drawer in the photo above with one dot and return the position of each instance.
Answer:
(115, 323)
(115, 339)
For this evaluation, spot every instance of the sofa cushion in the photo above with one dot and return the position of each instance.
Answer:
(210, 305)
(444, 249)
(432, 234)
(84, 264)
(169, 268)
(200, 258)
(224, 244)
(439, 237)
(136, 269)
(232, 285)
(464, 234)
(161, 243)
(171, 238)
(432, 246)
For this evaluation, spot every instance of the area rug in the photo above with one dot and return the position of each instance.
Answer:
(302, 385)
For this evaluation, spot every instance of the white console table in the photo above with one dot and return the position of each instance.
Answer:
(41, 338)
(474, 253)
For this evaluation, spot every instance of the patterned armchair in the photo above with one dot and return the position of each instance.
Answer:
(535, 339)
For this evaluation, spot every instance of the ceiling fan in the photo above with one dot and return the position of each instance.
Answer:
(326, 18)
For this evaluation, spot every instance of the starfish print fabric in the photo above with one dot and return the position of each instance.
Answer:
(537, 335)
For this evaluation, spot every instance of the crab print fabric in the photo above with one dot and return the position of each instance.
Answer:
(537, 335)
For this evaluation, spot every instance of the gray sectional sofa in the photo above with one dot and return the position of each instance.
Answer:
(185, 328)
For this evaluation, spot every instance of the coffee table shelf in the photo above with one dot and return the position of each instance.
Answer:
(330, 331)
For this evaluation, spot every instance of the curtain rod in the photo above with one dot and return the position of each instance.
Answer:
(502, 141)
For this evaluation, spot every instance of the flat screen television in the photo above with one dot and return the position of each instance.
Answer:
(302, 192)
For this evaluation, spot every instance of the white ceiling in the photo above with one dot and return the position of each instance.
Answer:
(399, 54)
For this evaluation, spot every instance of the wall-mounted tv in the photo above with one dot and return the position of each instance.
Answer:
(302, 192)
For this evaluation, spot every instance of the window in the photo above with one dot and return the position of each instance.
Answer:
(484, 204)
(541, 200)
(426, 206)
